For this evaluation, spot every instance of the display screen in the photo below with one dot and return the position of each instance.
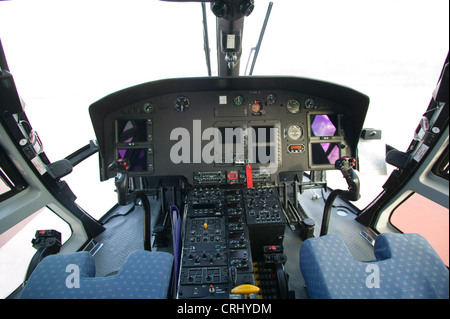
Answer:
(263, 134)
(325, 153)
(238, 254)
(235, 235)
(265, 154)
(256, 144)
(265, 138)
(324, 125)
(136, 157)
(132, 131)
(233, 135)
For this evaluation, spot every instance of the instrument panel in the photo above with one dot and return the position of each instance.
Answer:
(230, 138)
(216, 131)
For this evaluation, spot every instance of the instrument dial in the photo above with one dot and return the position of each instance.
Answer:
(256, 107)
(293, 106)
(238, 100)
(271, 99)
(310, 104)
(294, 132)
(182, 104)
(148, 107)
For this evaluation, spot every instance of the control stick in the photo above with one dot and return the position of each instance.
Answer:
(121, 180)
(345, 165)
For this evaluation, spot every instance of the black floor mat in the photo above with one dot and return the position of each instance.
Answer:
(124, 233)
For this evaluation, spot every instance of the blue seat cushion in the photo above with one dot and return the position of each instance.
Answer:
(406, 266)
(144, 274)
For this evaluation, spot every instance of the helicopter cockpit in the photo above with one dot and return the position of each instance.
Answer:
(215, 170)
(231, 142)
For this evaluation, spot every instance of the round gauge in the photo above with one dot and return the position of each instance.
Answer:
(148, 107)
(271, 99)
(238, 100)
(182, 104)
(256, 107)
(309, 104)
(294, 132)
(293, 106)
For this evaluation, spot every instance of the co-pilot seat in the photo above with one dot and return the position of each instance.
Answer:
(406, 267)
(144, 275)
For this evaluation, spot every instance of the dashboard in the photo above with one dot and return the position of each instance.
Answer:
(232, 140)
(236, 130)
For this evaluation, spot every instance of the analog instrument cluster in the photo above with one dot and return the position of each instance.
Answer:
(220, 130)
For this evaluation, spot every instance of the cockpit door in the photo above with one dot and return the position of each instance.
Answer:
(415, 198)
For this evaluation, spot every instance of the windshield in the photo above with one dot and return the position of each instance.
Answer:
(65, 55)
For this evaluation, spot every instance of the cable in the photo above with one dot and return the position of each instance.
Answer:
(120, 215)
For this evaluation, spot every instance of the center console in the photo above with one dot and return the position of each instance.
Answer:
(230, 236)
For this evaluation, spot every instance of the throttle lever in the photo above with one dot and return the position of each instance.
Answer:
(345, 165)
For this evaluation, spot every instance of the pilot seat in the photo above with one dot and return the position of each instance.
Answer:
(406, 267)
(143, 275)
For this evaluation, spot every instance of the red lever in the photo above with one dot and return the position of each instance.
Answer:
(248, 171)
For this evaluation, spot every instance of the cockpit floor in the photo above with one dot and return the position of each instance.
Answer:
(124, 233)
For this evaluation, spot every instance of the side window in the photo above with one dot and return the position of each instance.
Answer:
(5, 187)
(441, 168)
(16, 250)
(11, 182)
(418, 214)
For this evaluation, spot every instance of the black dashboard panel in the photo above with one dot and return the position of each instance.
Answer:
(216, 131)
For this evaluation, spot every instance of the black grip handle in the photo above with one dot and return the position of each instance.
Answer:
(345, 165)
(121, 182)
